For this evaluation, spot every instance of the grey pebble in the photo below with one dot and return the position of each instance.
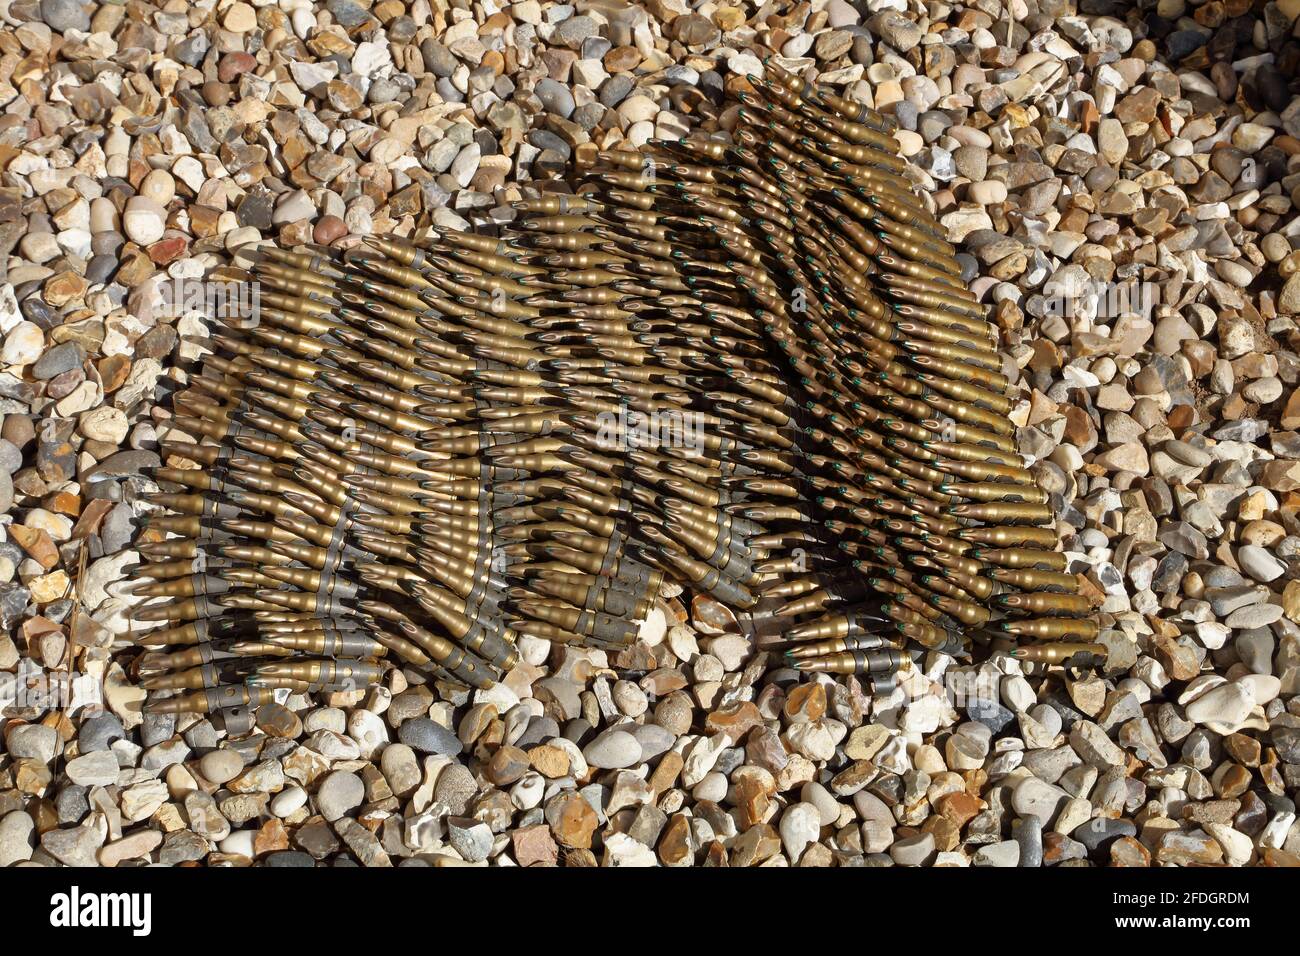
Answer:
(289, 858)
(340, 792)
(455, 789)
(99, 732)
(539, 730)
(17, 837)
(11, 459)
(1100, 832)
(472, 839)
(62, 358)
(1028, 833)
(428, 737)
(612, 749)
(33, 742)
(75, 846)
(63, 15)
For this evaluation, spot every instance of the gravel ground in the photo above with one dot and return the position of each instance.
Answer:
(1121, 179)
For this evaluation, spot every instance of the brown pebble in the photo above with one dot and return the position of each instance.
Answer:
(328, 229)
(18, 429)
(37, 543)
(217, 94)
(551, 762)
(276, 720)
(234, 64)
(806, 702)
(113, 372)
(507, 765)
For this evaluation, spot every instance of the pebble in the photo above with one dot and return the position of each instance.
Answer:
(612, 749)
(24, 344)
(426, 736)
(340, 792)
(1099, 832)
(912, 851)
(144, 220)
(288, 801)
(472, 839)
(1223, 708)
(64, 15)
(1005, 853)
(75, 846)
(455, 788)
(1038, 799)
(93, 769)
(33, 742)
(17, 837)
(221, 766)
(99, 732)
(800, 826)
(1259, 563)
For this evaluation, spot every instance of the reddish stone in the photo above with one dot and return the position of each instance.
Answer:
(533, 846)
(752, 800)
(168, 249)
(295, 233)
(665, 775)
(328, 229)
(946, 833)
(63, 288)
(90, 518)
(64, 384)
(621, 59)
(551, 762)
(1054, 847)
(233, 65)
(204, 220)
